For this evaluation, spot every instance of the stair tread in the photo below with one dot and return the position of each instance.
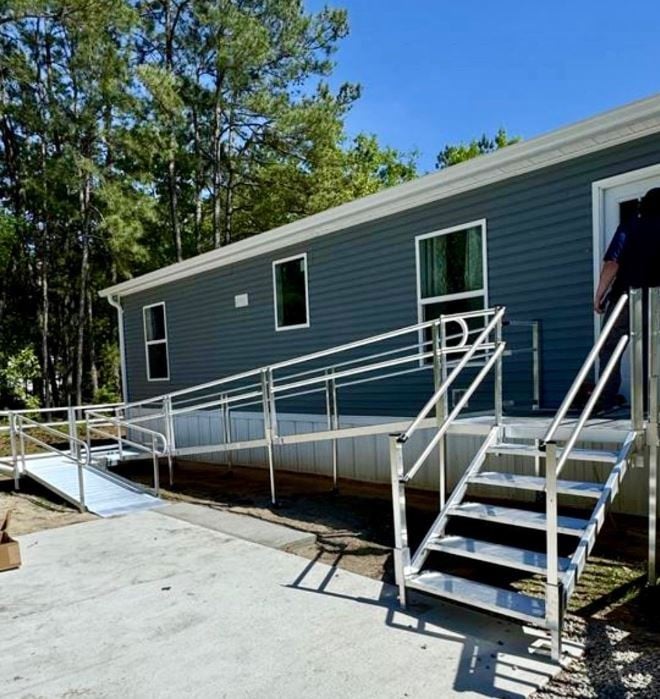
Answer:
(513, 449)
(523, 482)
(495, 599)
(499, 554)
(522, 518)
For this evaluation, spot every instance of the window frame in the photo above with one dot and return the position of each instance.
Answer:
(164, 341)
(291, 258)
(481, 223)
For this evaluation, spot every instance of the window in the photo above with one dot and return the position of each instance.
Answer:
(155, 342)
(451, 271)
(290, 293)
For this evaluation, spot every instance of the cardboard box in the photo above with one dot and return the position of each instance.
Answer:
(10, 554)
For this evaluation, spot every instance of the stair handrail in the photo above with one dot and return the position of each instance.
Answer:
(446, 424)
(591, 403)
(479, 343)
(585, 369)
(553, 467)
(71, 455)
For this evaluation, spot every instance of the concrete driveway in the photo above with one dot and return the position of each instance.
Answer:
(151, 606)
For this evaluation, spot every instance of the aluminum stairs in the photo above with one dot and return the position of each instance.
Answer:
(475, 548)
(105, 494)
(499, 547)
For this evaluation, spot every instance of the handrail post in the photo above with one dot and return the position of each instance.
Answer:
(73, 432)
(14, 451)
(226, 427)
(636, 359)
(268, 432)
(21, 440)
(272, 408)
(439, 340)
(536, 365)
(120, 441)
(154, 457)
(553, 587)
(169, 433)
(653, 429)
(498, 374)
(88, 432)
(401, 548)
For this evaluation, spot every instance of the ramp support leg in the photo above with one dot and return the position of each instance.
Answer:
(332, 414)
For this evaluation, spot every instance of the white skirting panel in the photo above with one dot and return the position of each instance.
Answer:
(367, 458)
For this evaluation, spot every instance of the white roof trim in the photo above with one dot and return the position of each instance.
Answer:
(612, 128)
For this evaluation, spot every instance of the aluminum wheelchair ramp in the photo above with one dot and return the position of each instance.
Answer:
(105, 494)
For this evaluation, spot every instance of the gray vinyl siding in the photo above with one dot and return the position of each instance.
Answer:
(362, 280)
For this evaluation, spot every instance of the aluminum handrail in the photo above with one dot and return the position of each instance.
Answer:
(199, 387)
(30, 411)
(585, 369)
(444, 387)
(288, 362)
(455, 317)
(23, 434)
(358, 343)
(138, 445)
(377, 355)
(118, 422)
(591, 403)
(454, 413)
(20, 419)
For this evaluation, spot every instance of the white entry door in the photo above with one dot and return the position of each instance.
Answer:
(615, 201)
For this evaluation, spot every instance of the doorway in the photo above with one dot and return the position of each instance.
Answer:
(615, 201)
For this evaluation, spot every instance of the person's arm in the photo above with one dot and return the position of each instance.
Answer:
(607, 275)
(610, 268)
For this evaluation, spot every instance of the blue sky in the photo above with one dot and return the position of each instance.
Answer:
(443, 71)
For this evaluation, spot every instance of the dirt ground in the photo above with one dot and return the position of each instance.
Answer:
(612, 613)
(34, 509)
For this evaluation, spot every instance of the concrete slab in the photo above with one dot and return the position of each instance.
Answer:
(258, 531)
(152, 606)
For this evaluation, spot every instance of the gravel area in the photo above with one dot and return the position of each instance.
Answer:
(617, 663)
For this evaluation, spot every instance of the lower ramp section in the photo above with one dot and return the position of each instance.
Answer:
(105, 494)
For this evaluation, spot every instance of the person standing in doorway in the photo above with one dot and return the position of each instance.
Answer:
(632, 261)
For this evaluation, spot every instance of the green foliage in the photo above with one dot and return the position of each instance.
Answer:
(451, 155)
(17, 376)
(135, 133)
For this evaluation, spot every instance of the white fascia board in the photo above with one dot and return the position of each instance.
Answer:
(610, 129)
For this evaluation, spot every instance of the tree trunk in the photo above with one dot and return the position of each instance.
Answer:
(84, 274)
(170, 26)
(217, 169)
(93, 369)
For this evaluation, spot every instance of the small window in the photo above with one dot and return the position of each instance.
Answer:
(155, 341)
(290, 292)
(451, 272)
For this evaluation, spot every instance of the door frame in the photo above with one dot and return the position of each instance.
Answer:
(598, 191)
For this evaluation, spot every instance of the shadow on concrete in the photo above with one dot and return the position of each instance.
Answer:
(497, 658)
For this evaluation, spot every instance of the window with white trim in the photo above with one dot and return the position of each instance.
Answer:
(290, 293)
(451, 270)
(155, 342)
